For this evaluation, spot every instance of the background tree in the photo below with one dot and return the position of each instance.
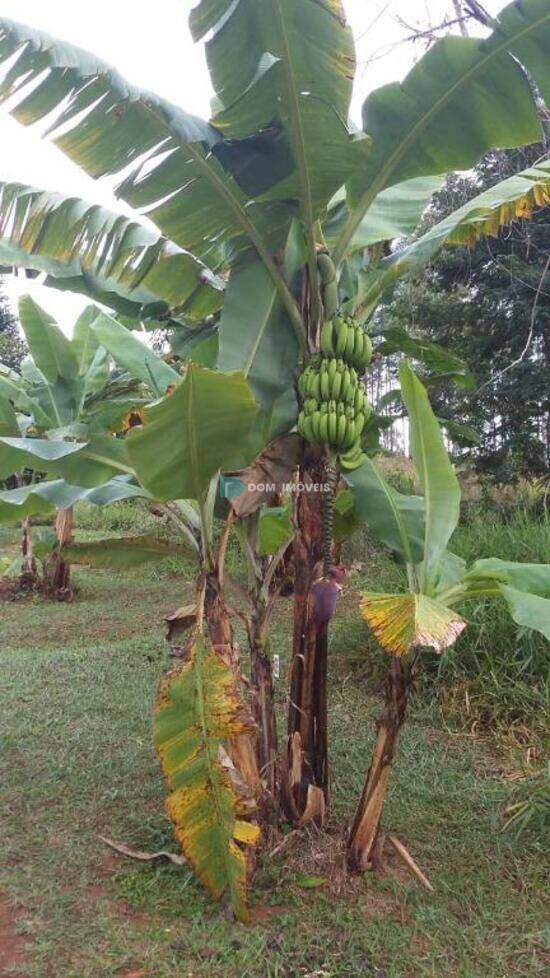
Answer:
(12, 344)
(489, 305)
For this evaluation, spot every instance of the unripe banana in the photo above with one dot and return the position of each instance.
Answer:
(332, 406)
(336, 386)
(359, 348)
(346, 383)
(340, 408)
(358, 400)
(330, 300)
(323, 427)
(352, 459)
(350, 435)
(350, 396)
(326, 339)
(325, 385)
(310, 405)
(332, 427)
(359, 424)
(353, 376)
(332, 368)
(367, 351)
(350, 413)
(326, 268)
(323, 407)
(341, 332)
(350, 344)
(315, 422)
(302, 379)
(314, 387)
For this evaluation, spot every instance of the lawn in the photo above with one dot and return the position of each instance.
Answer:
(76, 762)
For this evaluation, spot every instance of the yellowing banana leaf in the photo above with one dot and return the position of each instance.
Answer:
(197, 709)
(512, 199)
(402, 622)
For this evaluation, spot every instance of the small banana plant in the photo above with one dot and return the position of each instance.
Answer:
(419, 529)
(65, 395)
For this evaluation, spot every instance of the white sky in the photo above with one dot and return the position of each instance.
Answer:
(151, 46)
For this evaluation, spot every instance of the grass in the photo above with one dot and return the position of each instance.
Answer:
(76, 685)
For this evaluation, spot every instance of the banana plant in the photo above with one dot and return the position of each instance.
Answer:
(65, 394)
(272, 218)
(419, 529)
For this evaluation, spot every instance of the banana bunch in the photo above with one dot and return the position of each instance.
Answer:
(343, 337)
(335, 407)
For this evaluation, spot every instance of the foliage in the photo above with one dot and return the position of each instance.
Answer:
(12, 345)
(479, 303)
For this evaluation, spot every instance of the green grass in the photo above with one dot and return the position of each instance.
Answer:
(76, 685)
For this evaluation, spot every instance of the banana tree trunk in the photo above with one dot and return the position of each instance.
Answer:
(306, 782)
(60, 580)
(29, 573)
(364, 836)
(263, 702)
(242, 750)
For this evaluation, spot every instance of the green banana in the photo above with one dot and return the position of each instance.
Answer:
(307, 428)
(341, 331)
(330, 299)
(315, 422)
(367, 351)
(336, 386)
(332, 427)
(310, 405)
(359, 348)
(352, 459)
(359, 424)
(332, 368)
(324, 385)
(350, 434)
(323, 428)
(327, 271)
(350, 344)
(326, 339)
(341, 431)
(358, 400)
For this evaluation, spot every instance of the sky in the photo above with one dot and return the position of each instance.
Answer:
(157, 52)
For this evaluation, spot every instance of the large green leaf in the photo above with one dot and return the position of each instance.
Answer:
(123, 553)
(395, 339)
(186, 191)
(197, 709)
(88, 249)
(287, 65)
(85, 464)
(435, 473)
(274, 529)
(464, 97)
(49, 347)
(512, 199)
(395, 519)
(528, 610)
(256, 335)
(134, 356)
(394, 213)
(8, 417)
(523, 577)
(47, 497)
(201, 427)
(84, 342)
